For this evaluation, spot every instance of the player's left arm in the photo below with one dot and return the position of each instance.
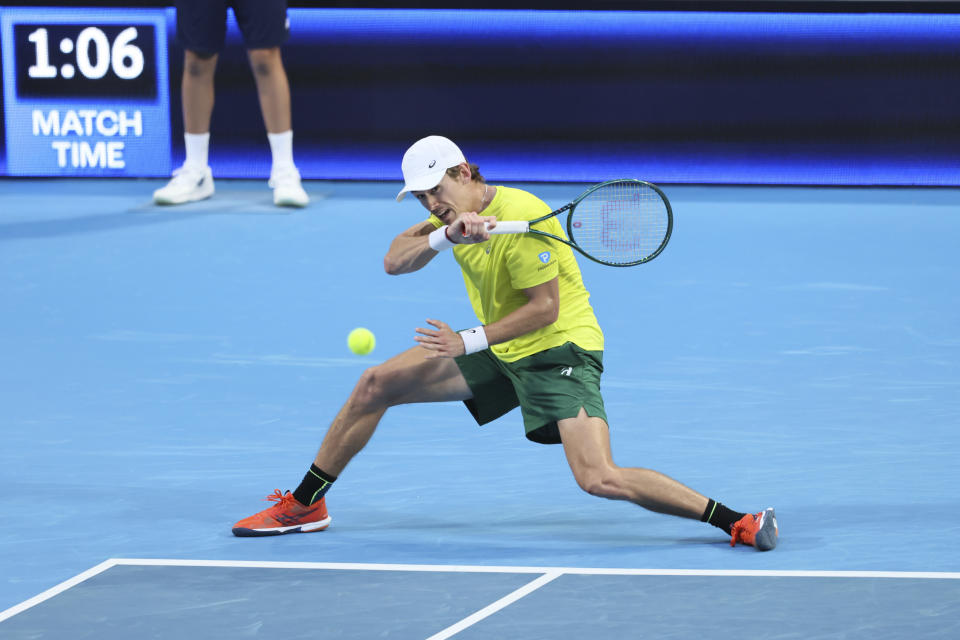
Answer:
(541, 309)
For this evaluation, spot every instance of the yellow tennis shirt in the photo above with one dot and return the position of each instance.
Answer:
(496, 272)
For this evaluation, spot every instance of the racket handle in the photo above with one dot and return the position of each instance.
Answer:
(510, 226)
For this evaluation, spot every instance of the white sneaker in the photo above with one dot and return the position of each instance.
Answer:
(287, 191)
(189, 184)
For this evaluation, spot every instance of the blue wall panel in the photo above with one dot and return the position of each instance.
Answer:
(673, 97)
(579, 95)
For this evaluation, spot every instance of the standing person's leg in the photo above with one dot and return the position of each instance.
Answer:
(273, 90)
(198, 97)
(201, 28)
(274, 93)
(586, 443)
(265, 27)
(404, 379)
(197, 91)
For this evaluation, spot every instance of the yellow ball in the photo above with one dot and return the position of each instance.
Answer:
(361, 341)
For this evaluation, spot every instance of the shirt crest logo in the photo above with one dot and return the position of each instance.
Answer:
(544, 257)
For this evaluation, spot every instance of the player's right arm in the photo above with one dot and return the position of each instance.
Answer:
(410, 251)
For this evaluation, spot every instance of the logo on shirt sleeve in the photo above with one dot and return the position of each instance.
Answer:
(544, 257)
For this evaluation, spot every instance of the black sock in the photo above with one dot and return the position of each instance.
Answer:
(314, 486)
(720, 516)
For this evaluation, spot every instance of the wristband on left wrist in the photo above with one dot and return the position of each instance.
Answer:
(474, 340)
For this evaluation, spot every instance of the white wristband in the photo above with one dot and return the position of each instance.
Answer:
(439, 240)
(474, 340)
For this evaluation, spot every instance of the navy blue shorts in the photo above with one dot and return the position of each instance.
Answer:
(202, 24)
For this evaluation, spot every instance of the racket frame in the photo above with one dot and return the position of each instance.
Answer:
(525, 226)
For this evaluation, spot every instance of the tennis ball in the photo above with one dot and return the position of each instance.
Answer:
(361, 341)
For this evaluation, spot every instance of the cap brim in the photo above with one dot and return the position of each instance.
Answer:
(422, 183)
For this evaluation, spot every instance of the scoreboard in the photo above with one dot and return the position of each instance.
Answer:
(85, 92)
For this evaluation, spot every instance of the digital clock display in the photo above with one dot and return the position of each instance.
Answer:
(61, 60)
(85, 91)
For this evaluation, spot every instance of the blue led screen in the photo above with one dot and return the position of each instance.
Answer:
(84, 95)
(671, 97)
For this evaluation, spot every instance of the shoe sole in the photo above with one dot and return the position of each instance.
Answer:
(768, 534)
(189, 198)
(290, 202)
(310, 527)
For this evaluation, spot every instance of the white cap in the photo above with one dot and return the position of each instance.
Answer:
(426, 161)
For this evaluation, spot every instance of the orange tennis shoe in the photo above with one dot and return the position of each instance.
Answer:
(286, 516)
(758, 530)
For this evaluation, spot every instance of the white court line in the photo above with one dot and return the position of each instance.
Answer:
(492, 608)
(547, 574)
(362, 566)
(60, 588)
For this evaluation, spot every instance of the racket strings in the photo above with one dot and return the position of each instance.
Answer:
(621, 223)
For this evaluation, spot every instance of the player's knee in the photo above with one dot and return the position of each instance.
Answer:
(374, 387)
(368, 387)
(603, 483)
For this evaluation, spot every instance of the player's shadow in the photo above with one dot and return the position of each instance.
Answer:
(587, 532)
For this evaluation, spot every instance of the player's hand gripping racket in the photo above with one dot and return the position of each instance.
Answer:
(620, 223)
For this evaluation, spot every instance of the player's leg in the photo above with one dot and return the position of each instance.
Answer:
(586, 443)
(265, 27)
(406, 378)
(559, 392)
(201, 28)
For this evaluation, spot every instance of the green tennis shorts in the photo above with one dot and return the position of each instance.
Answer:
(547, 386)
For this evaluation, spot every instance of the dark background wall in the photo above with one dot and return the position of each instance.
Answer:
(787, 92)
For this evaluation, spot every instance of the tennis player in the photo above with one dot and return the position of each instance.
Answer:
(538, 347)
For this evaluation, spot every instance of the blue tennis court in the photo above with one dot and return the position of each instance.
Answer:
(164, 369)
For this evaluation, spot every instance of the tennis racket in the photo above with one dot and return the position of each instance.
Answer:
(619, 223)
